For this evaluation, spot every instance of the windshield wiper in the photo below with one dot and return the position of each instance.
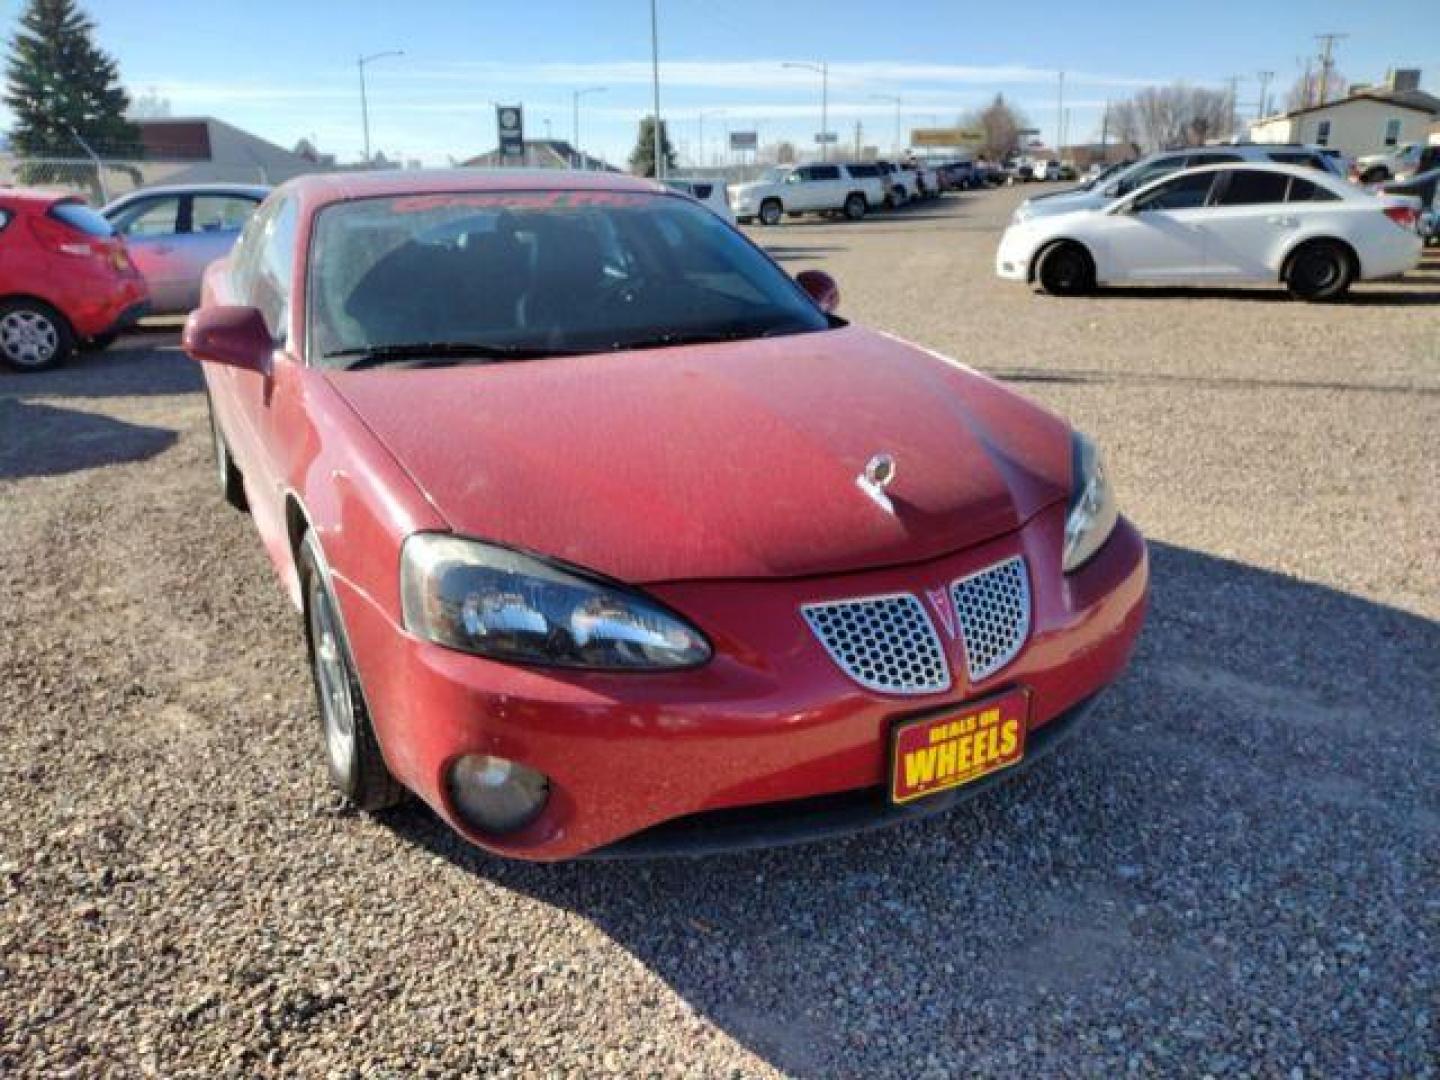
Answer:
(699, 337)
(437, 353)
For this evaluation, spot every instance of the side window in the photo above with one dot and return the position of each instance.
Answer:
(826, 172)
(1250, 187)
(1302, 190)
(1210, 159)
(246, 255)
(220, 213)
(4, 219)
(1392, 132)
(1147, 173)
(1322, 133)
(271, 285)
(150, 217)
(798, 176)
(702, 191)
(1182, 193)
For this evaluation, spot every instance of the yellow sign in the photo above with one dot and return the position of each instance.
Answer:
(951, 136)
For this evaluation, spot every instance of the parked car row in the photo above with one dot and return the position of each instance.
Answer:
(851, 189)
(74, 278)
(1239, 221)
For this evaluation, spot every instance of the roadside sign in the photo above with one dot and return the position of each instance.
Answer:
(744, 140)
(510, 123)
(826, 137)
(951, 136)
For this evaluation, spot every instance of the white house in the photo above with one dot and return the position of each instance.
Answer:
(1369, 120)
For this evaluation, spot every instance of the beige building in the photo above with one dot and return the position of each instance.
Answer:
(1368, 121)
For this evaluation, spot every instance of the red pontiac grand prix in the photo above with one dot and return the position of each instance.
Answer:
(612, 538)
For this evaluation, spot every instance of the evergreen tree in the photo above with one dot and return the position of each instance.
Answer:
(60, 83)
(642, 158)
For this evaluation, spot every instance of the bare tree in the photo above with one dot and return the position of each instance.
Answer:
(1000, 125)
(1306, 90)
(1161, 117)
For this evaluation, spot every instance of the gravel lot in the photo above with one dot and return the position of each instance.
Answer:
(1234, 872)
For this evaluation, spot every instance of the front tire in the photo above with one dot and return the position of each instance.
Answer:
(1065, 269)
(34, 336)
(771, 212)
(352, 753)
(232, 483)
(1319, 271)
(855, 207)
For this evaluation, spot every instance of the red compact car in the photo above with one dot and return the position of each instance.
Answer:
(612, 538)
(65, 279)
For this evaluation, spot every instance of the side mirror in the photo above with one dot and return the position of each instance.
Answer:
(230, 335)
(821, 288)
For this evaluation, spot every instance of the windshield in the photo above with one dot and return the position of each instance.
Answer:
(517, 274)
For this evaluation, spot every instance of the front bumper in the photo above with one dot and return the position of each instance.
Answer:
(1012, 257)
(770, 720)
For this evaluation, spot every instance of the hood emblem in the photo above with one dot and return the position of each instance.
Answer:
(940, 601)
(878, 474)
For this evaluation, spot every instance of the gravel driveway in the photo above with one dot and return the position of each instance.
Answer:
(1236, 871)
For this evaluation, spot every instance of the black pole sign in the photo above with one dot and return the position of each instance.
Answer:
(510, 122)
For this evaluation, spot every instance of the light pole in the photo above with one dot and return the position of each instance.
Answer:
(824, 70)
(655, 84)
(360, 62)
(575, 96)
(896, 99)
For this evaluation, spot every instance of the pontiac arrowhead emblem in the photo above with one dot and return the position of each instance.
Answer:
(878, 474)
(940, 601)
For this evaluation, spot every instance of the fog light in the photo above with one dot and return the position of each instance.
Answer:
(494, 795)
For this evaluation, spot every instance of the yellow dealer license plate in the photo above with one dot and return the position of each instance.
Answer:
(936, 753)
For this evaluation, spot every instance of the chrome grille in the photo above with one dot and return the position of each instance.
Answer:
(884, 643)
(994, 609)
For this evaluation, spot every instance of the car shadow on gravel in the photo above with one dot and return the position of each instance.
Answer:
(1241, 838)
(73, 440)
(139, 366)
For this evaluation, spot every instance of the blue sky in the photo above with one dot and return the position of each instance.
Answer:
(285, 69)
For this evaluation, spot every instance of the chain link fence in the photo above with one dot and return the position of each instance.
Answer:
(99, 180)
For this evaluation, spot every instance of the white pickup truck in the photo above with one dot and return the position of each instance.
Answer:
(806, 189)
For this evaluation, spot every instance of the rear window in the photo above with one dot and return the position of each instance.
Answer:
(1311, 161)
(1302, 190)
(79, 216)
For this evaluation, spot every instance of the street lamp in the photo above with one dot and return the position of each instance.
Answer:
(364, 105)
(896, 99)
(575, 96)
(655, 129)
(824, 70)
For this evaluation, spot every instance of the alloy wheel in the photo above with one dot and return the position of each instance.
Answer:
(332, 680)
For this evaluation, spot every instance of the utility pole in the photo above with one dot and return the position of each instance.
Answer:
(857, 140)
(575, 96)
(1231, 122)
(1105, 131)
(1264, 77)
(1327, 42)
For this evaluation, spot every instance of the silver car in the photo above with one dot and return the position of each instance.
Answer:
(173, 233)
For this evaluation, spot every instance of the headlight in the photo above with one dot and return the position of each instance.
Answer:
(1092, 514)
(508, 606)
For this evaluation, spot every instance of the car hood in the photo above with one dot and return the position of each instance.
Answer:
(737, 460)
(1066, 203)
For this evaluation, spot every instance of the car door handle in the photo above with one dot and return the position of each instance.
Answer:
(1284, 220)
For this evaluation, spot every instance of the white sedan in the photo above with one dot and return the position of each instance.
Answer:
(1221, 223)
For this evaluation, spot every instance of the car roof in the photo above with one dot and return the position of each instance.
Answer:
(37, 198)
(321, 189)
(258, 190)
